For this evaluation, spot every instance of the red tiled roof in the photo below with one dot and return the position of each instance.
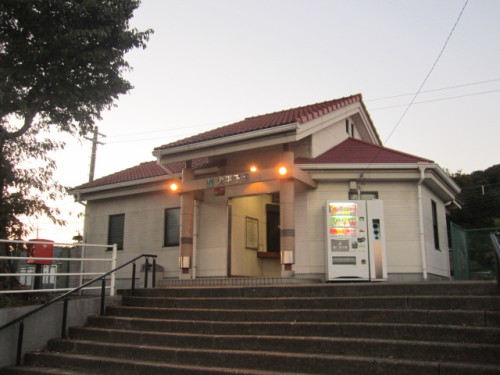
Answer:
(139, 172)
(299, 115)
(350, 151)
(356, 151)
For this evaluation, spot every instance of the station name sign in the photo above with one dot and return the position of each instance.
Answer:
(227, 180)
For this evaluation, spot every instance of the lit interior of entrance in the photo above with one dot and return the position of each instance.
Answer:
(254, 236)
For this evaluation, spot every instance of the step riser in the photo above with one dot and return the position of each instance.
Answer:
(421, 303)
(314, 364)
(330, 290)
(103, 366)
(469, 318)
(339, 367)
(425, 351)
(348, 330)
(266, 304)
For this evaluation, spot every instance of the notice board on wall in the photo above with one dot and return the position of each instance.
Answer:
(252, 233)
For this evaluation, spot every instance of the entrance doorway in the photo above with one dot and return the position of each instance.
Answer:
(254, 237)
(273, 239)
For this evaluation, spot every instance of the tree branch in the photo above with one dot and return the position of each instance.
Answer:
(28, 121)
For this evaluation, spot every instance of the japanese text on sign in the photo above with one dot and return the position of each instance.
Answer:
(230, 179)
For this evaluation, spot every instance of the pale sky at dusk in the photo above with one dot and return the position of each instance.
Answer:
(213, 62)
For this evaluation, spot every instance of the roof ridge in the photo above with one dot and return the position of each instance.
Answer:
(369, 153)
(268, 120)
(305, 106)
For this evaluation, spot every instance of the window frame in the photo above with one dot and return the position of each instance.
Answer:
(435, 224)
(353, 194)
(166, 242)
(115, 232)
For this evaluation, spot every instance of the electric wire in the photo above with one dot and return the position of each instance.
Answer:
(410, 104)
(436, 100)
(434, 90)
(201, 126)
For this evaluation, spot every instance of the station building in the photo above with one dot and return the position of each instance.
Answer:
(251, 199)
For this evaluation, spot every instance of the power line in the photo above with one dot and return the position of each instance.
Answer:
(438, 100)
(428, 74)
(221, 123)
(419, 89)
(165, 130)
(199, 126)
(434, 90)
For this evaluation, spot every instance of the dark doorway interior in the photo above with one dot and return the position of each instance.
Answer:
(273, 227)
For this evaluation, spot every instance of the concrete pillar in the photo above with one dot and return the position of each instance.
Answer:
(186, 227)
(287, 217)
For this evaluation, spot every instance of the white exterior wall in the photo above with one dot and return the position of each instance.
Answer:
(211, 242)
(401, 221)
(401, 225)
(327, 138)
(143, 232)
(438, 260)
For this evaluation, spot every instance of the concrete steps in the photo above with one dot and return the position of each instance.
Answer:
(426, 328)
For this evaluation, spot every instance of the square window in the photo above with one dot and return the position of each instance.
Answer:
(172, 227)
(116, 230)
(435, 227)
(363, 196)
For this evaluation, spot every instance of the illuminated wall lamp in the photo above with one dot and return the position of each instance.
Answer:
(282, 171)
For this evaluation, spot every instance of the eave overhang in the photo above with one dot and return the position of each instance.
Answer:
(224, 145)
(143, 185)
(435, 177)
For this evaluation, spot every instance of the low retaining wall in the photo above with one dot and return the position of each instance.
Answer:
(44, 325)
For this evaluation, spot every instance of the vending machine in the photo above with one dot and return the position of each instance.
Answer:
(355, 240)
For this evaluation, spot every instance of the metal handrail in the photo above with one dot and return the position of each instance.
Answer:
(81, 260)
(495, 238)
(65, 296)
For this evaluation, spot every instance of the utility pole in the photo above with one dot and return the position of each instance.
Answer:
(95, 142)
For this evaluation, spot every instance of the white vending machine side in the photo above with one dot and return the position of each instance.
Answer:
(376, 240)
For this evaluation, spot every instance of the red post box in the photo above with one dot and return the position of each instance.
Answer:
(38, 250)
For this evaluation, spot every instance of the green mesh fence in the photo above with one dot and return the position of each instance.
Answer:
(472, 253)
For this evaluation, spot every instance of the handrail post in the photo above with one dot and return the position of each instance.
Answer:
(64, 318)
(154, 274)
(82, 266)
(20, 343)
(113, 266)
(146, 271)
(132, 289)
(103, 295)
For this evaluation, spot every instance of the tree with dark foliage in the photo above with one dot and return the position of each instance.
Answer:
(480, 197)
(61, 65)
